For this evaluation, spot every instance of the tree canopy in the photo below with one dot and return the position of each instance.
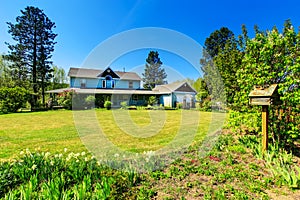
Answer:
(153, 74)
(271, 57)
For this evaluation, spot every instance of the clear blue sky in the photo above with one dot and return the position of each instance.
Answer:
(82, 25)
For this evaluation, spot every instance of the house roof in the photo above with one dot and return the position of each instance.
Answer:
(175, 87)
(103, 91)
(94, 73)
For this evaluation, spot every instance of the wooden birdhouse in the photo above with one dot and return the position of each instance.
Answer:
(264, 95)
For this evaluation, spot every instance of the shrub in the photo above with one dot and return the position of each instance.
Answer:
(206, 105)
(12, 99)
(152, 100)
(90, 101)
(179, 105)
(124, 105)
(65, 99)
(244, 122)
(107, 105)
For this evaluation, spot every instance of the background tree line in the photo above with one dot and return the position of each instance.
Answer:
(271, 57)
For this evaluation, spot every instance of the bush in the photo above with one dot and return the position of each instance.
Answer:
(244, 122)
(65, 99)
(124, 105)
(12, 99)
(152, 100)
(206, 105)
(90, 101)
(107, 105)
(179, 105)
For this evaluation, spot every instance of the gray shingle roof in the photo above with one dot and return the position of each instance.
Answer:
(176, 86)
(93, 73)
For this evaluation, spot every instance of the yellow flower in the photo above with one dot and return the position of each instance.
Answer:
(33, 167)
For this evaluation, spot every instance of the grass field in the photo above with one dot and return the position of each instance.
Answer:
(136, 130)
(232, 167)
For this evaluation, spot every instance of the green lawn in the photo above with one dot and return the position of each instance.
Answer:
(136, 130)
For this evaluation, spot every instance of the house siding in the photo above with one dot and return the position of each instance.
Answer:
(97, 83)
(89, 82)
(188, 96)
(122, 84)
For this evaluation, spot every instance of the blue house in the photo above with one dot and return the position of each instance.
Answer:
(120, 86)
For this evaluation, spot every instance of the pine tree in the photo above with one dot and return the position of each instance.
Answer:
(34, 45)
(154, 74)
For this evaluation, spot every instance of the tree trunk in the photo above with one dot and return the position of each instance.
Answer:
(34, 65)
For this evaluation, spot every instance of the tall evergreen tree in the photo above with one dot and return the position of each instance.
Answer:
(34, 44)
(217, 40)
(154, 74)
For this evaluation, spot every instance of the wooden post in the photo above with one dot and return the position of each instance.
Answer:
(265, 116)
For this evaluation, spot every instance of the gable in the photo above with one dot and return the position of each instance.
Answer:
(185, 88)
(109, 72)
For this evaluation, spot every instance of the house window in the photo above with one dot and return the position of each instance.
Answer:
(83, 83)
(103, 84)
(130, 84)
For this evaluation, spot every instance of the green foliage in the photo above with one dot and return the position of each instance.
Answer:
(5, 77)
(65, 99)
(222, 57)
(179, 105)
(59, 77)
(217, 41)
(273, 57)
(201, 88)
(205, 105)
(154, 74)
(90, 101)
(124, 104)
(244, 123)
(12, 99)
(41, 175)
(30, 56)
(280, 163)
(152, 100)
(107, 104)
